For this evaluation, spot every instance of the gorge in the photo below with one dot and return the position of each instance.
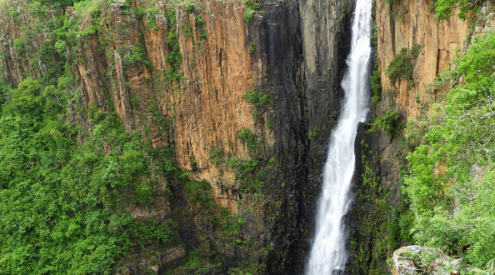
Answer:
(190, 137)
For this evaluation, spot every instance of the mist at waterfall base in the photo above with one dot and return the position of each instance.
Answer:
(328, 253)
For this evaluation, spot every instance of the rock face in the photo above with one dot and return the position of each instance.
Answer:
(404, 25)
(414, 259)
(410, 23)
(377, 205)
(294, 52)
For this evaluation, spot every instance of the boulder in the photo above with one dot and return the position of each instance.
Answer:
(412, 260)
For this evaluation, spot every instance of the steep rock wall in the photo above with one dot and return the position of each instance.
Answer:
(295, 52)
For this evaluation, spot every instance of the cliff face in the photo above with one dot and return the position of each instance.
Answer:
(410, 23)
(194, 80)
(375, 218)
(404, 25)
(178, 77)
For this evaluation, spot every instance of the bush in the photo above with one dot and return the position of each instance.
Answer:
(28, 95)
(258, 99)
(138, 13)
(444, 9)
(20, 46)
(390, 123)
(191, 9)
(175, 56)
(248, 16)
(13, 13)
(400, 68)
(376, 86)
(200, 192)
(374, 36)
(199, 22)
(415, 51)
(253, 144)
(136, 56)
(251, 47)
(252, 6)
(187, 30)
(204, 34)
(152, 24)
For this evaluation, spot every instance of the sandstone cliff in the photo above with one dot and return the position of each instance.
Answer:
(178, 76)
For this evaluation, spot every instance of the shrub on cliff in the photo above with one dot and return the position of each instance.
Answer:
(400, 68)
(20, 46)
(258, 99)
(376, 86)
(444, 9)
(252, 6)
(390, 123)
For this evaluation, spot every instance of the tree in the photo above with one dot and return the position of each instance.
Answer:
(444, 9)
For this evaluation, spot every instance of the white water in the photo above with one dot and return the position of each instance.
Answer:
(329, 254)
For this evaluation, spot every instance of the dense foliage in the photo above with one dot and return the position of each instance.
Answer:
(444, 9)
(70, 172)
(376, 86)
(61, 201)
(64, 182)
(452, 180)
(401, 67)
(389, 123)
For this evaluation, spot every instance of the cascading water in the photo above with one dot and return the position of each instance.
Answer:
(329, 254)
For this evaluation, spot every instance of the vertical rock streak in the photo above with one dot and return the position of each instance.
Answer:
(329, 254)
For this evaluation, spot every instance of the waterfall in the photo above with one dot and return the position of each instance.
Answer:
(328, 253)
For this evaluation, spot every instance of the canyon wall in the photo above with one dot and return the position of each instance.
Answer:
(179, 77)
(191, 81)
(375, 218)
(404, 25)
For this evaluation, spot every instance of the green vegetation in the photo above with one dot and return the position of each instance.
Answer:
(401, 67)
(187, 30)
(70, 171)
(452, 169)
(20, 46)
(199, 22)
(253, 144)
(13, 13)
(203, 34)
(374, 36)
(372, 243)
(376, 86)
(175, 56)
(152, 24)
(136, 56)
(390, 123)
(270, 125)
(251, 47)
(252, 6)
(200, 192)
(444, 9)
(258, 99)
(61, 201)
(191, 9)
(314, 133)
